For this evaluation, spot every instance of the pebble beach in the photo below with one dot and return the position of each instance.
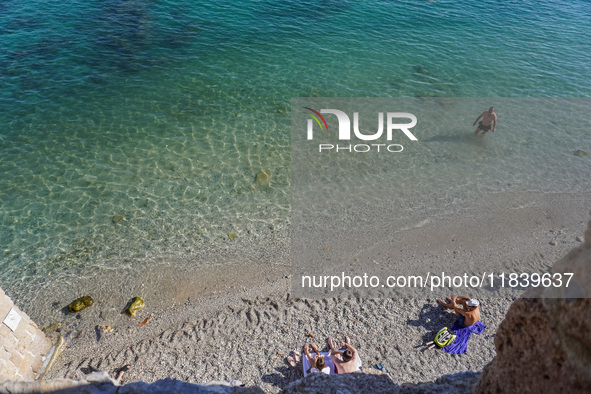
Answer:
(249, 339)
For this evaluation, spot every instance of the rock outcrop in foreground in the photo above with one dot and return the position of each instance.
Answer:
(378, 382)
(544, 344)
(101, 383)
(370, 382)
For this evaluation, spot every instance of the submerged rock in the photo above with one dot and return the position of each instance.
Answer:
(263, 178)
(80, 304)
(53, 327)
(231, 235)
(135, 305)
(119, 217)
(53, 331)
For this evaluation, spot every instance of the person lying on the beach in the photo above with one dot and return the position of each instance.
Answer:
(467, 323)
(317, 363)
(345, 360)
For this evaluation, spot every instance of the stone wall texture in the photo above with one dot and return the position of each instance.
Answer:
(23, 347)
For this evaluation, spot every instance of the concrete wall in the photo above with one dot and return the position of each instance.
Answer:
(23, 346)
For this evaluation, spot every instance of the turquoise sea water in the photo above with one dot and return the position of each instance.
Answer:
(165, 111)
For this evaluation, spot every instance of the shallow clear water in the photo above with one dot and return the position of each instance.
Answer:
(166, 111)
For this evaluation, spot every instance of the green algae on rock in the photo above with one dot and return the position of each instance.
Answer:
(80, 304)
(135, 304)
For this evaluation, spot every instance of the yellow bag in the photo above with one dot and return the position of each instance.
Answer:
(444, 337)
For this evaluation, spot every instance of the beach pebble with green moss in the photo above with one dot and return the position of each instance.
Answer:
(80, 304)
(135, 305)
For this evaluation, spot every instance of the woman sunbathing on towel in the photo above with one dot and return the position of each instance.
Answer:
(317, 363)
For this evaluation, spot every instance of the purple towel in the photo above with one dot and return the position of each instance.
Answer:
(463, 333)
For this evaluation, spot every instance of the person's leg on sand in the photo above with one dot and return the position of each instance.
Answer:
(120, 373)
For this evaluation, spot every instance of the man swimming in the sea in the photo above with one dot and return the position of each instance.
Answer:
(489, 118)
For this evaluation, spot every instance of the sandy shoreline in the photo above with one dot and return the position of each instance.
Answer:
(240, 321)
(510, 232)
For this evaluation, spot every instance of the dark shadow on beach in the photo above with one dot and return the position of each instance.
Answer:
(285, 376)
(433, 318)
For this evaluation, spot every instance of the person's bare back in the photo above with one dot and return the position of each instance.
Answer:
(469, 310)
(345, 361)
